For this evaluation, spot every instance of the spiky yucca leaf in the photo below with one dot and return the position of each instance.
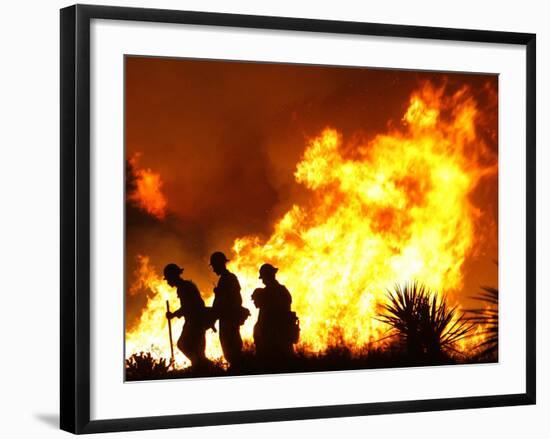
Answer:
(425, 322)
(487, 317)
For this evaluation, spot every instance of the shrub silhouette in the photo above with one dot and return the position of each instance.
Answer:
(143, 366)
(426, 325)
(487, 317)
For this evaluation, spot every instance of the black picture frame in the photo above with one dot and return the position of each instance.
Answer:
(75, 217)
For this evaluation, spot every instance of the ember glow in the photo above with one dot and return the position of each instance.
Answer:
(390, 209)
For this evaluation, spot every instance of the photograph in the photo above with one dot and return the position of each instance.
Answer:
(301, 218)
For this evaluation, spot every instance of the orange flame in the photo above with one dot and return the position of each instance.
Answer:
(148, 195)
(397, 209)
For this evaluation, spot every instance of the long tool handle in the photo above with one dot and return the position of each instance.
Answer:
(170, 333)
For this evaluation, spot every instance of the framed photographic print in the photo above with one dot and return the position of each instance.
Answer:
(267, 218)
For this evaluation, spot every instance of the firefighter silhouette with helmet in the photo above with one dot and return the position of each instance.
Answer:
(277, 328)
(192, 341)
(227, 307)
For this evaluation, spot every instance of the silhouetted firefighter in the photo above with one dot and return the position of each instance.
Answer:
(192, 341)
(228, 308)
(277, 328)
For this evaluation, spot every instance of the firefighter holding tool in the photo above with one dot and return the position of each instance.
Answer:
(192, 341)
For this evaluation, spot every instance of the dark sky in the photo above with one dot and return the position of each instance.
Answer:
(226, 136)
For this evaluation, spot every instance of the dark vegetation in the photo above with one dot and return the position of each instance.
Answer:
(424, 324)
(423, 330)
(487, 317)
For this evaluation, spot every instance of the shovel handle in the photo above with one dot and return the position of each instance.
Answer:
(170, 334)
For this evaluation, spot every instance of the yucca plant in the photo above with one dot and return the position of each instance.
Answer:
(487, 318)
(427, 326)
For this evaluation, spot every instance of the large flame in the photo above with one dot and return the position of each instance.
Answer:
(390, 210)
(147, 194)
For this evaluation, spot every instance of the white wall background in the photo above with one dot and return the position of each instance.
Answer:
(29, 200)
